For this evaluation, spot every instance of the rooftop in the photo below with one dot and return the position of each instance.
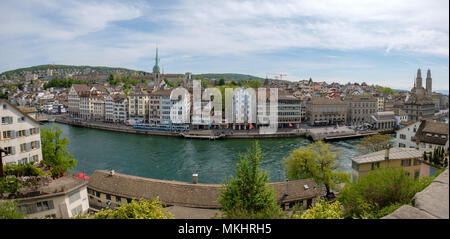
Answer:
(394, 154)
(55, 187)
(175, 193)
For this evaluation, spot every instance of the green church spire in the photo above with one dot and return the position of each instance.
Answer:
(156, 67)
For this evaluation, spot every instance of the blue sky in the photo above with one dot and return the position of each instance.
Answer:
(335, 41)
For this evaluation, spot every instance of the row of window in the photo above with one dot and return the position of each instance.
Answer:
(36, 207)
(108, 196)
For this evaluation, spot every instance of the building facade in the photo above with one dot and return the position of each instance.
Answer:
(361, 108)
(324, 111)
(62, 198)
(19, 136)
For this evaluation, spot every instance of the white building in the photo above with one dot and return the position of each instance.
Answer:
(400, 116)
(120, 109)
(19, 135)
(109, 108)
(64, 198)
(244, 106)
(383, 120)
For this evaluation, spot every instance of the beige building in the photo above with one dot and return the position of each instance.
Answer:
(360, 109)
(408, 158)
(324, 111)
(19, 136)
(138, 106)
(380, 103)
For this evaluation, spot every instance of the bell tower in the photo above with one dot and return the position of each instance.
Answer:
(428, 83)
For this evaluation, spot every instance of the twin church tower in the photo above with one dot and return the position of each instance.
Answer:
(418, 88)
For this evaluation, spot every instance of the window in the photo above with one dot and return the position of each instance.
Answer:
(97, 194)
(7, 120)
(77, 210)
(416, 174)
(375, 165)
(416, 162)
(74, 197)
(108, 196)
(128, 200)
(406, 162)
(118, 199)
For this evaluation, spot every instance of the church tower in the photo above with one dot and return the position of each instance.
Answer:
(419, 79)
(156, 72)
(428, 83)
(419, 88)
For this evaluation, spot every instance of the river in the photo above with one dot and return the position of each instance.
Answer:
(173, 158)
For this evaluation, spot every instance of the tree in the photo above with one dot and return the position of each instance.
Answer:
(8, 210)
(54, 152)
(387, 91)
(247, 195)
(142, 209)
(322, 210)
(373, 143)
(221, 82)
(380, 192)
(317, 161)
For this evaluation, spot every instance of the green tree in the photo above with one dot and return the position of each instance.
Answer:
(247, 196)
(387, 91)
(221, 82)
(317, 161)
(8, 210)
(373, 143)
(142, 209)
(322, 210)
(54, 152)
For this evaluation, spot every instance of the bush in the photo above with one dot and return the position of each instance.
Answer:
(141, 209)
(379, 189)
(23, 170)
(9, 184)
(322, 210)
(8, 210)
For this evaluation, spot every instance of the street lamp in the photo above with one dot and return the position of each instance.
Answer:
(1, 161)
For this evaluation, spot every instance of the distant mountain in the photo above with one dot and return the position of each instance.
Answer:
(61, 69)
(445, 92)
(69, 69)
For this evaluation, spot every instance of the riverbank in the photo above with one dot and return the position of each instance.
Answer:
(192, 134)
(323, 133)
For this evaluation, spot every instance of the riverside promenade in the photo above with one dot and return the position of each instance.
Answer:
(315, 134)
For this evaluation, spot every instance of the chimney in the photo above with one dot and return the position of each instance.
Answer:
(286, 192)
(194, 178)
(386, 155)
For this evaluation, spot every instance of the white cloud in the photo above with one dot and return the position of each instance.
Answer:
(78, 32)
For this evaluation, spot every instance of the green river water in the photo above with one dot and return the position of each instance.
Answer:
(173, 158)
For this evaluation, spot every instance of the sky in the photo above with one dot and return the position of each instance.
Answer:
(377, 42)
